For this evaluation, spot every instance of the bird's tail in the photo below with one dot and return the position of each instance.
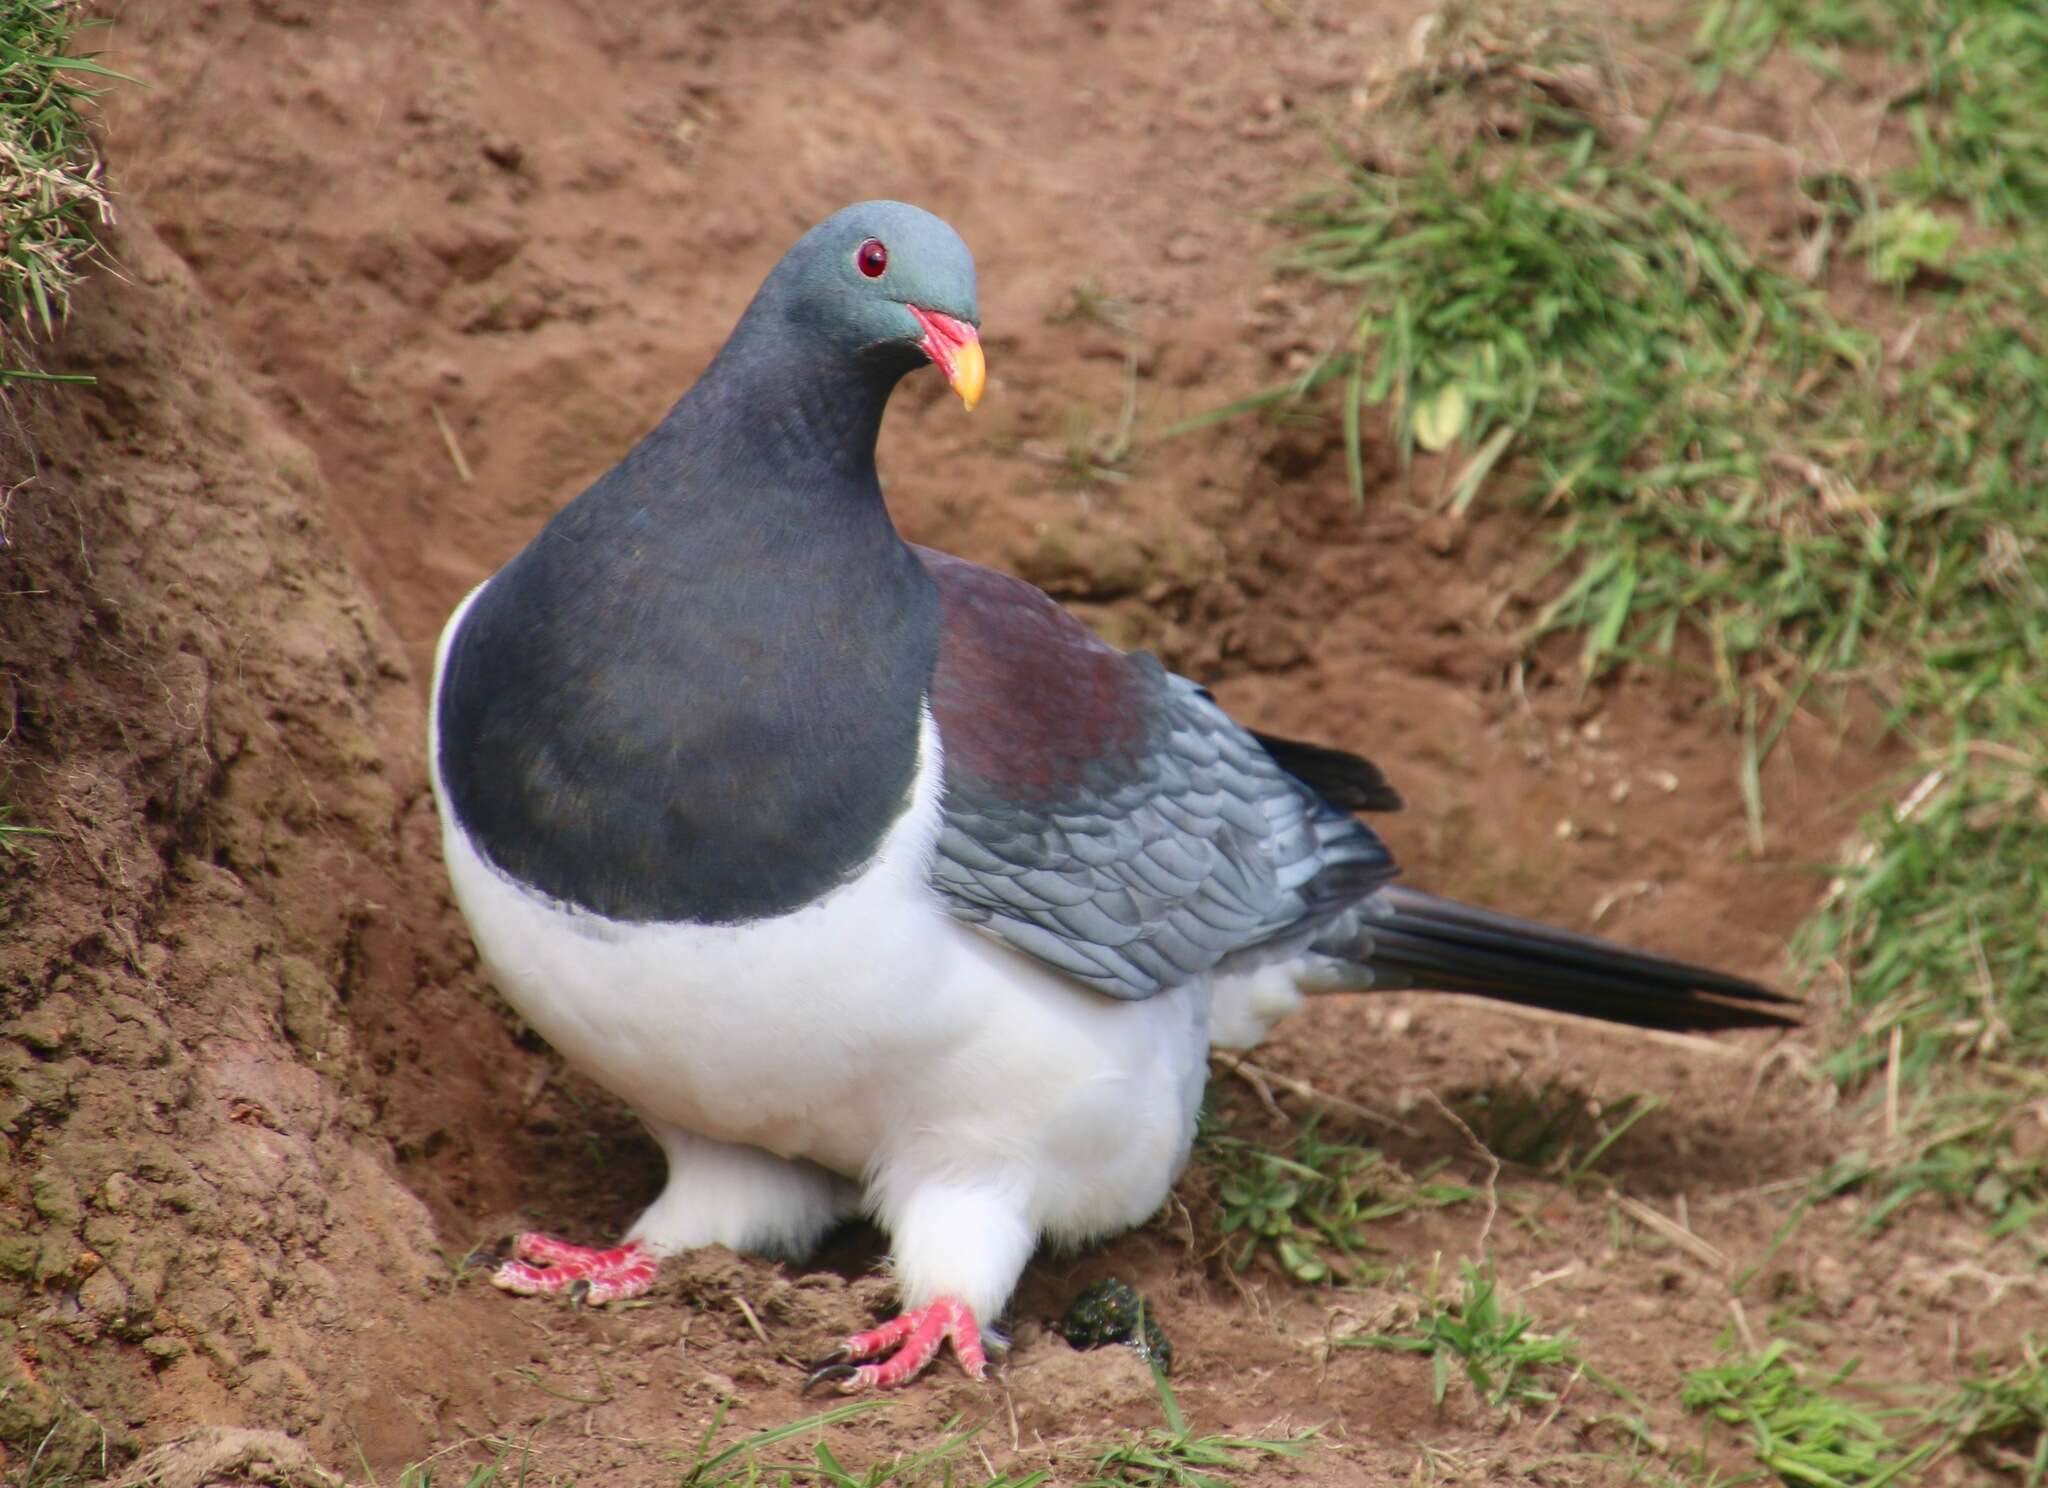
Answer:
(1402, 937)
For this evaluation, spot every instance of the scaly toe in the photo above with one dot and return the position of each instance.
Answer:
(916, 1338)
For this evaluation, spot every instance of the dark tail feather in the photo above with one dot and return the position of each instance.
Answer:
(1407, 938)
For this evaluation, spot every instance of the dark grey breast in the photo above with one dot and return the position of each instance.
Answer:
(1106, 817)
(698, 694)
(712, 720)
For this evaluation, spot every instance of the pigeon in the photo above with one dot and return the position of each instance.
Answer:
(873, 881)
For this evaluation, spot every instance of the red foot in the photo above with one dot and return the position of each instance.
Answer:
(546, 1265)
(915, 1336)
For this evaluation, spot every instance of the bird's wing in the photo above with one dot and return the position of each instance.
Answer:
(1105, 815)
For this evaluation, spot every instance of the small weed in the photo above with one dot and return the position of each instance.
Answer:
(1555, 1128)
(493, 1474)
(1800, 1425)
(1498, 1349)
(2000, 1420)
(1091, 457)
(1310, 1206)
(1798, 1428)
(1908, 240)
(1176, 1458)
(14, 833)
(740, 1465)
(1089, 304)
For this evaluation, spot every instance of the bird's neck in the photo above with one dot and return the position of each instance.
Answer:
(792, 413)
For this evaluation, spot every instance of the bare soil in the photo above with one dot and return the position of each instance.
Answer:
(395, 280)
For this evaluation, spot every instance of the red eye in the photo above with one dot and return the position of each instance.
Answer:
(873, 258)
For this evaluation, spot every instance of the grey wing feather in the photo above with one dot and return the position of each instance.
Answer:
(1177, 857)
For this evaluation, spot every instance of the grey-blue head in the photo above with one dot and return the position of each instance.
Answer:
(882, 280)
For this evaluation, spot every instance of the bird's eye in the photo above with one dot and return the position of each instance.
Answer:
(873, 258)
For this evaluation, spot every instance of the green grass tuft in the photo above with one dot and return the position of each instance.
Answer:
(1553, 1127)
(1796, 1428)
(1802, 1426)
(15, 835)
(1499, 1350)
(1564, 321)
(741, 1465)
(51, 194)
(1174, 1457)
(1311, 1205)
(1978, 115)
(2000, 1420)
(1941, 933)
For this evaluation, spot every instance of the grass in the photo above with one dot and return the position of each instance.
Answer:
(741, 1465)
(492, 1474)
(15, 835)
(1738, 34)
(1999, 1419)
(1942, 934)
(1977, 114)
(1797, 1428)
(1498, 1349)
(1555, 1127)
(1174, 1457)
(1803, 1425)
(1311, 1204)
(1739, 483)
(51, 193)
(1562, 320)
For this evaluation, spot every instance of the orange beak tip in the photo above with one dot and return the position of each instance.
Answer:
(970, 373)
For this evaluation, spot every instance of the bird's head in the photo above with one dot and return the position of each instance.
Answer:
(883, 277)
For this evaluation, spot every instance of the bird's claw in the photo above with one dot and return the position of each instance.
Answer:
(910, 1341)
(833, 1368)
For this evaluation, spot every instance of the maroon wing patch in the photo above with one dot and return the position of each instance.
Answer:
(1027, 700)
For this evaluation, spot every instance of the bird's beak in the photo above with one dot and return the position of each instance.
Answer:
(956, 347)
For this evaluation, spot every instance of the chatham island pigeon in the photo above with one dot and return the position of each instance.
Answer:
(871, 879)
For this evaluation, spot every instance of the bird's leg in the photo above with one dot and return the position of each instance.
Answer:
(544, 1265)
(916, 1336)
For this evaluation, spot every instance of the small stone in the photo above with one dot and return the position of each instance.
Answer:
(307, 1006)
(1443, 535)
(45, 1029)
(18, 1255)
(1832, 1284)
(1111, 1311)
(504, 153)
